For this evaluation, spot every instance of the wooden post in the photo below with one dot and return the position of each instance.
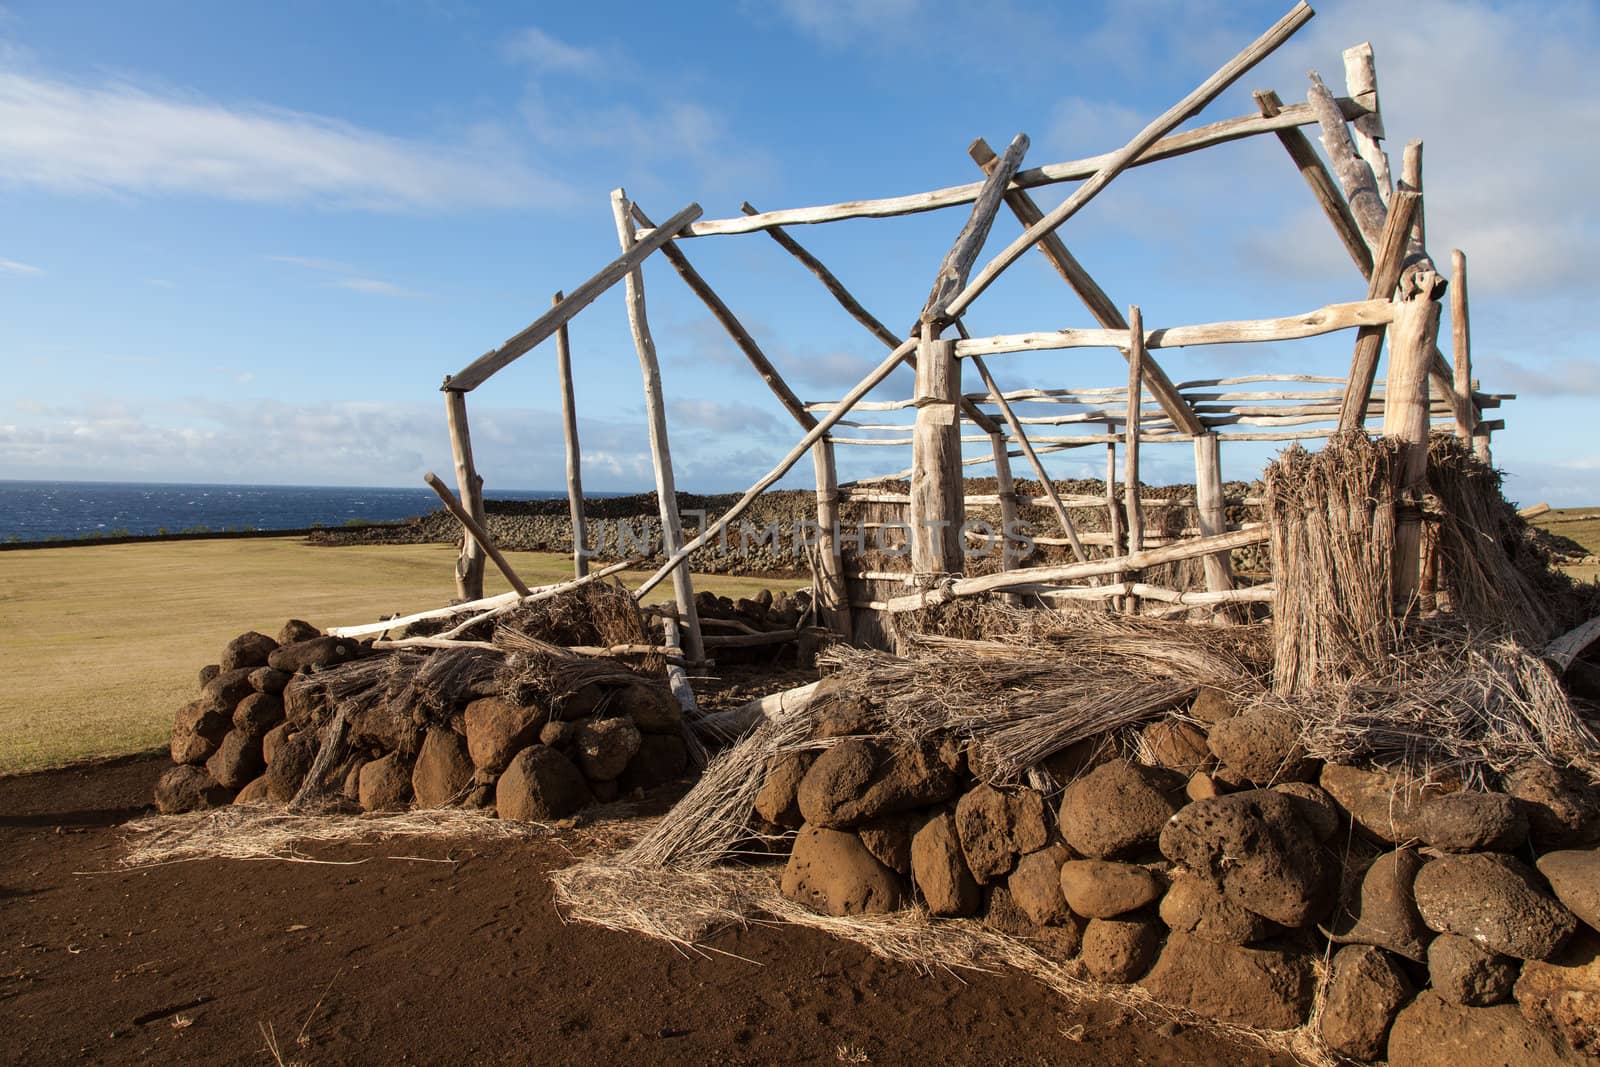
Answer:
(1461, 347)
(937, 499)
(1361, 82)
(1405, 416)
(1130, 448)
(660, 449)
(833, 599)
(476, 531)
(469, 566)
(569, 430)
(1006, 489)
(1113, 512)
(1212, 512)
(1388, 263)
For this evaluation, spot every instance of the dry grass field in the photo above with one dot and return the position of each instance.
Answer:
(100, 645)
(1581, 525)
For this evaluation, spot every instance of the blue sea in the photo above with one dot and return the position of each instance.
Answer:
(41, 511)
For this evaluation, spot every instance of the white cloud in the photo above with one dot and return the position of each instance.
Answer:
(717, 417)
(1558, 378)
(11, 266)
(547, 53)
(375, 287)
(840, 21)
(120, 139)
(352, 277)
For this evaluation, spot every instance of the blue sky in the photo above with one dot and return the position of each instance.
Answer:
(245, 242)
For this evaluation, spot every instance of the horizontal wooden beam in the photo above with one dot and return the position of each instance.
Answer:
(479, 370)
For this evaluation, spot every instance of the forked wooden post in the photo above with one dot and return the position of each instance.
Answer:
(660, 449)
(1212, 511)
(1130, 449)
(1405, 416)
(937, 497)
(469, 566)
(569, 431)
(833, 600)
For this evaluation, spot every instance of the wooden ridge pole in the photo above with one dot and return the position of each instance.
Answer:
(1094, 298)
(938, 507)
(479, 370)
(1120, 160)
(478, 533)
(660, 450)
(469, 565)
(569, 433)
(837, 290)
(730, 322)
(1323, 187)
(1130, 449)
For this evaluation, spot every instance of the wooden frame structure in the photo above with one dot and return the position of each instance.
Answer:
(1377, 219)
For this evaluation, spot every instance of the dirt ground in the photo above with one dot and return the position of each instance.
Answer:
(397, 960)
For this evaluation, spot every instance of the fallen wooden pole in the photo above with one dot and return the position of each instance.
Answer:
(478, 534)
(1565, 650)
(479, 370)
(1006, 580)
(1189, 106)
(569, 435)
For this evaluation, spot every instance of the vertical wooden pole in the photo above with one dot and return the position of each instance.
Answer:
(1006, 489)
(569, 430)
(1113, 512)
(1130, 448)
(832, 598)
(938, 505)
(1212, 512)
(1461, 352)
(469, 566)
(1412, 337)
(660, 449)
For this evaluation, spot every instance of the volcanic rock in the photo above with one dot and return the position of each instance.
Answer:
(248, 650)
(385, 784)
(1464, 972)
(443, 769)
(1563, 808)
(291, 761)
(1574, 877)
(197, 730)
(1176, 745)
(267, 680)
(208, 672)
(315, 654)
(1377, 801)
(778, 802)
(889, 839)
(832, 872)
(258, 713)
(839, 712)
(1494, 900)
(1118, 951)
(498, 729)
(1261, 747)
(1035, 886)
(1564, 993)
(1366, 989)
(304, 699)
(997, 827)
(1384, 912)
(296, 630)
(1432, 1032)
(272, 739)
(855, 781)
(1211, 706)
(1314, 806)
(237, 760)
(661, 758)
(1118, 809)
(1267, 988)
(939, 868)
(1198, 907)
(224, 692)
(1472, 822)
(540, 785)
(188, 788)
(1003, 914)
(651, 706)
(256, 794)
(604, 747)
(1100, 889)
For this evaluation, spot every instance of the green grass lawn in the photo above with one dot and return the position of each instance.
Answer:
(100, 645)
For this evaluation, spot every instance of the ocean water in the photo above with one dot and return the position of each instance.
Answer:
(40, 511)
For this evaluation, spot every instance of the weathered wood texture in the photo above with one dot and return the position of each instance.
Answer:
(1211, 508)
(833, 602)
(469, 565)
(1387, 265)
(1323, 187)
(1355, 175)
(1094, 298)
(937, 509)
(479, 370)
(1006, 494)
(1406, 417)
(660, 448)
(569, 433)
(1130, 447)
(475, 529)
(1361, 82)
(957, 263)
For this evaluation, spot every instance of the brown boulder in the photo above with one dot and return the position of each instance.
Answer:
(1366, 989)
(224, 692)
(443, 770)
(291, 761)
(1099, 889)
(1198, 907)
(1265, 988)
(386, 725)
(1117, 810)
(1118, 951)
(208, 672)
(272, 739)
(1212, 706)
(1563, 994)
(1494, 900)
(540, 785)
(257, 713)
(1002, 913)
(650, 705)
(1472, 822)
(296, 630)
(237, 760)
(1314, 806)
(854, 781)
(558, 734)
(1464, 972)
(305, 699)
(1432, 1032)
(1574, 877)
(384, 784)
(832, 872)
(267, 680)
(778, 802)
(604, 746)
(197, 730)
(188, 788)
(315, 654)
(1384, 911)
(498, 730)
(889, 839)
(352, 779)
(1261, 747)
(1377, 801)
(1174, 744)
(838, 712)
(1201, 786)
(1258, 849)
(1035, 886)
(661, 758)
(939, 868)
(256, 794)
(1562, 805)
(248, 650)
(995, 828)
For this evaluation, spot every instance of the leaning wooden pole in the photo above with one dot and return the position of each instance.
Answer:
(469, 565)
(569, 432)
(660, 449)
(1406, 417)
(832, 598)
(477, 532)
(1130, 448)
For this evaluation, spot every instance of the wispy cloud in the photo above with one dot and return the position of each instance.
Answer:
(718, 417)
(1559, 378)
(121, 139)
(375, 287)
(548, 53)
(349, 276)
(11, 266)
